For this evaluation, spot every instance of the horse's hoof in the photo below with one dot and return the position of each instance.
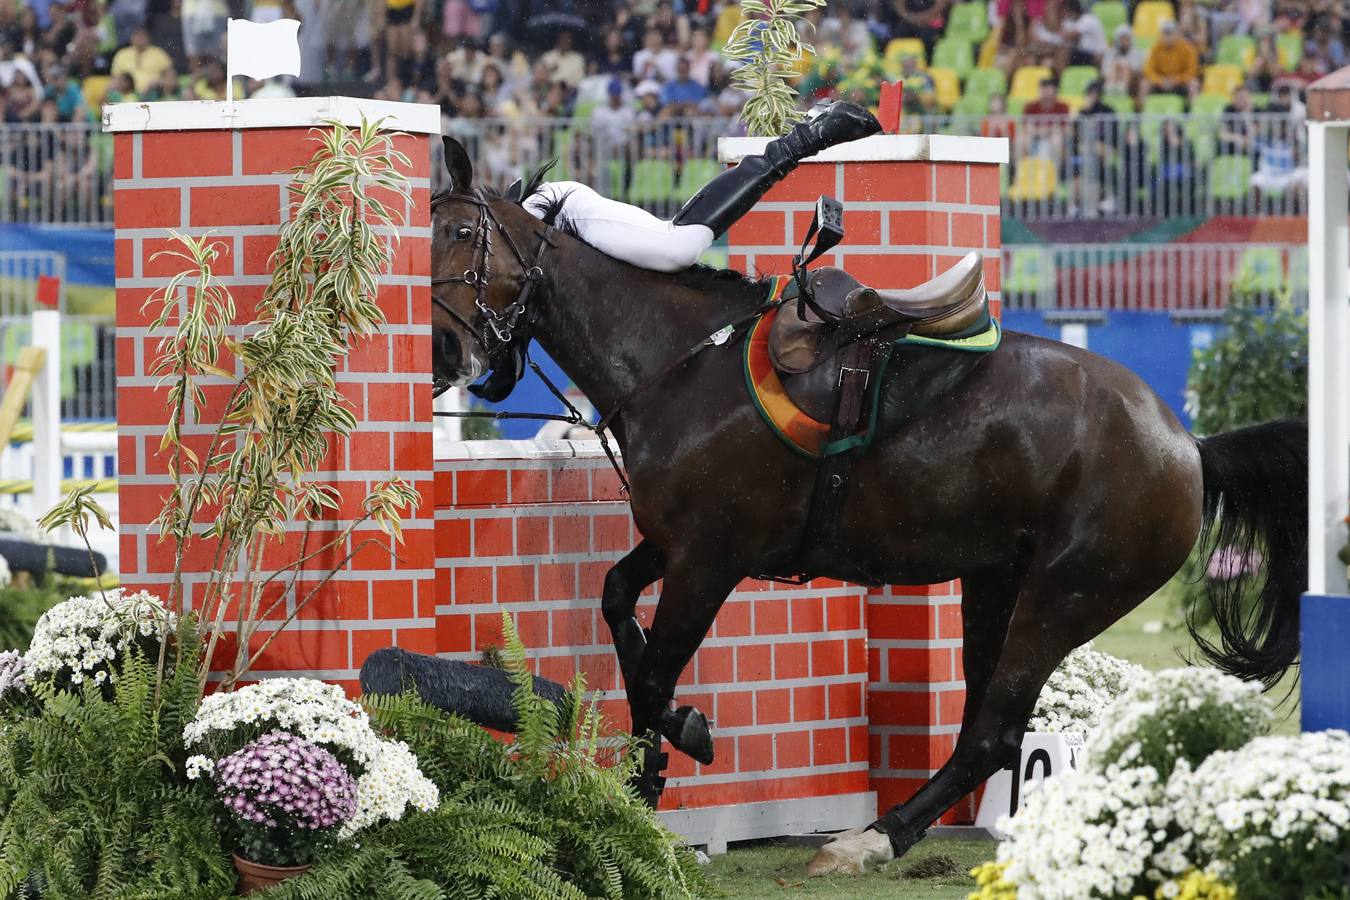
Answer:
(841, 835)
(688, 731)
(852, 855)
(648, 783)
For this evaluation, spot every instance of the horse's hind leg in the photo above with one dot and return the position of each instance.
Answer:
(1049, 620)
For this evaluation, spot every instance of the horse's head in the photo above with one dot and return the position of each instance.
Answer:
(481, 310)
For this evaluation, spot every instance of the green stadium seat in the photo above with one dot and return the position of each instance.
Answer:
(1289, 48)
(1208, 105)
(1123, 104)
(653, 182)
(975, 105)
(986, 83)
(1074, 81)
(695, 174)
(1261, 270)
(1261, 101)
(584, 108)
(1016, 105)
(1236, 50)
(969, 21)
(1164, 105)
(955, 54)
(1298, 270)
(1230, 177)
(1029, 270)
(1112, 14)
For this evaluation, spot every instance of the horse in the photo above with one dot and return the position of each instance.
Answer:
(1054, 483)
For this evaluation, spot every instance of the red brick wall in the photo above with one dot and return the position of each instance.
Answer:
(232, 184)
(905, 222)
(782, 674)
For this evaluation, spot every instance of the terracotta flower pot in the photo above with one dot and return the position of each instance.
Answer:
(255, 877)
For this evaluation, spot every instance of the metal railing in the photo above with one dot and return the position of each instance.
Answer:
(1135, 166)
(88, 363)
(20, 271)
(1186, 279)
(56, 174)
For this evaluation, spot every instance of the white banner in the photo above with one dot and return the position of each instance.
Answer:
(262, 51)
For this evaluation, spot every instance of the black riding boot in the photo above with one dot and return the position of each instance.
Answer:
(730, 195)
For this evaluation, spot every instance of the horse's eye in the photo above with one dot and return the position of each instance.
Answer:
(463, 233)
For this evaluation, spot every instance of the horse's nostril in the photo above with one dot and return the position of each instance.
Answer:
(447, 350)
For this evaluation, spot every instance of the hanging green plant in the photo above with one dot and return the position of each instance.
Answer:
(767, 45)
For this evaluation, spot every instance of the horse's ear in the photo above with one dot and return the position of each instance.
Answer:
(459, 166)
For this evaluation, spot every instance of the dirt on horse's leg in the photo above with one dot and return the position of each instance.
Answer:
(691, 595)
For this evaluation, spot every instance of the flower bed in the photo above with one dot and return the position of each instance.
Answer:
(1181, 797)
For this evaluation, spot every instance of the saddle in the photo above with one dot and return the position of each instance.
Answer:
(843, 310)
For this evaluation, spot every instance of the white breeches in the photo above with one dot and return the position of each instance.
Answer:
(622, 231)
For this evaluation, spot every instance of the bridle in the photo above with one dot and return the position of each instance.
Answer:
(511, 323)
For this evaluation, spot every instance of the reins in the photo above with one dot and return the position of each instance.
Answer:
(505, 324)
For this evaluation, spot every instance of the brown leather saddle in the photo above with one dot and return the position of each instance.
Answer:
(807, 334)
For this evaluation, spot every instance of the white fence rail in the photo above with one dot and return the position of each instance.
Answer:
(1109, 167)
(1187, 279)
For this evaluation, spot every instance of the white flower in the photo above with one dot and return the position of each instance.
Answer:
(1080, 689)
(82, 636)
(389, 780)
(5, 576)
(16, 523)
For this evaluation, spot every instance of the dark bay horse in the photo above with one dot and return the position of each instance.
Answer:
(1054, 483)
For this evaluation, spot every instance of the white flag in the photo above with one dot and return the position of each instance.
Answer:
(261, 51)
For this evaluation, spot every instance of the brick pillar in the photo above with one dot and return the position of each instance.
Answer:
(214, 168)
(914, 205)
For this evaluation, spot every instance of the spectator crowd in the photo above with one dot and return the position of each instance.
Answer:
(1058, 77)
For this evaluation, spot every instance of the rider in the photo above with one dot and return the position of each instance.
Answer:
(637, 237)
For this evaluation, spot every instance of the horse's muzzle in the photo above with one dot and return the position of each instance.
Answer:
(452, 362)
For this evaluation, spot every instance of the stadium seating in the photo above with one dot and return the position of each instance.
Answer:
(1037, 179)
(954, 53)
(1155, 107)
(695, 174)
(1112, 14)
(1221, 79)
(1236, 50)
(1031, 269)
(968, 21)
(1209, 105)
(653, 182)
(1229, 177)
(1261, 270)
(947, 86)
(1074, 81)
(899, 48)
(1149, 16)
(1289, 48)
(1016, 105)
(1026, 83)
(986, 83)
(93, 88)
(976, 105)
(1298, 270)
(1123, 104)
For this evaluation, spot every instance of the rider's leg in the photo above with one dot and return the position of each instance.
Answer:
(731, 194)
(622, 231)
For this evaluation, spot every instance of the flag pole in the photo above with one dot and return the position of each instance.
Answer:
(229, 68)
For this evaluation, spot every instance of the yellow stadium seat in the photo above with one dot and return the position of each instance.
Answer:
(1036, 179)
(727, 20)
(1026, 83)
(93, 88)
(1149, 16)
(947, 86)
(899, 48)
(1221, 80)
(1073, 103)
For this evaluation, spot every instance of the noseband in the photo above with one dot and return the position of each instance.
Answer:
(512, 322)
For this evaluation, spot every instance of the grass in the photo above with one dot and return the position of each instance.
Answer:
(775, 870)
(1153, 636)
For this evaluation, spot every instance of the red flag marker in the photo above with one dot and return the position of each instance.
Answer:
(892, 93)
(48, 291)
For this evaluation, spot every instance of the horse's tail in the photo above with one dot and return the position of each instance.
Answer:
(1255, 510)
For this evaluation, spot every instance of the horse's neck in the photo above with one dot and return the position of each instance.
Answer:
(611, 327)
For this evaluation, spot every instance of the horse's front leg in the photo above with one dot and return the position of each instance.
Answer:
(624, 583)
(692, 593)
